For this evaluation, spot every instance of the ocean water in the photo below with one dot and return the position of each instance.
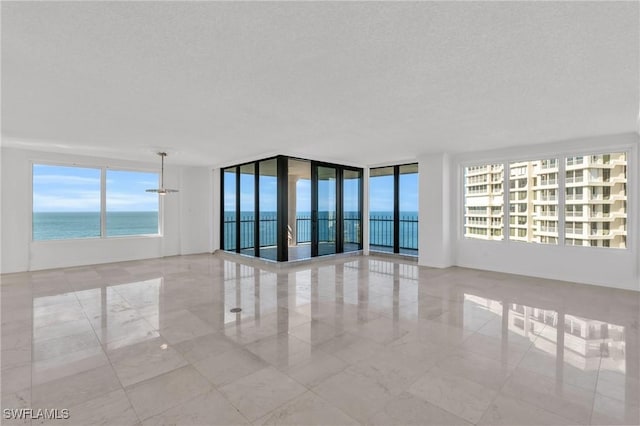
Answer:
(381, 228)
(68, 225)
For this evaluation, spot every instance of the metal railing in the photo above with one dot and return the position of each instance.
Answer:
(269, 236)
(381, 232)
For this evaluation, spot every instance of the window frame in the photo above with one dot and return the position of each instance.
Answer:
(396, 247)
(103, 200)
(630, 150)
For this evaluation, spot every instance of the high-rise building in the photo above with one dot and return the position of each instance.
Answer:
(484, 207)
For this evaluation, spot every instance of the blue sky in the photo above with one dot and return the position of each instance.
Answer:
(381, 194)
(268, 194)
(77, 189)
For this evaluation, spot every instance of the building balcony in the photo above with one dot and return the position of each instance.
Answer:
(575, 165)
(545, 201)
(477, 236)
(518, 226)
(546, 216)
(476, 225)
(476, 172)
(600, 199)
(471, 182)
(599, 234)
(618, 197)
(546, 185)
(598, 183)
(546, 232)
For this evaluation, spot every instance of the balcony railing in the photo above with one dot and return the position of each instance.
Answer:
(381, 231)
(269, 236)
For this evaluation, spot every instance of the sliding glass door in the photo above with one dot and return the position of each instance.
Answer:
(324, 210)
(393, 209)
(352, 209)
(289, 209)
(267, 205)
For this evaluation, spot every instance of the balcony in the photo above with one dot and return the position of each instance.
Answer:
(473, 171)
(471, 181)
(549, 231)
(574, 180)
(600, 234)
(381, 232)
(547, 216)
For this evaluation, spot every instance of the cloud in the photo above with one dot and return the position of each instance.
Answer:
(126, 201)
(64, 180)
(70, 201)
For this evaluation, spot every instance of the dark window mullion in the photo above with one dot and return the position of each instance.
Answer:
(238, 228)
(339, 210)
(314, 209)
(222, 247)
(282, 197)
(256, 208)
(396, 209)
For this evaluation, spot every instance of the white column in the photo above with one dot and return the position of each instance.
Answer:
(216, 206)
(435, 216)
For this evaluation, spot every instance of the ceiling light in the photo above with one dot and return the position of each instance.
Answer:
(162, 190)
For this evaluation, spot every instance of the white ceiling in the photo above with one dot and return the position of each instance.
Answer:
(361, 83)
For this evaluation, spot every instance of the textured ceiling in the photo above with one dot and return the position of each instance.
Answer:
(361, 83)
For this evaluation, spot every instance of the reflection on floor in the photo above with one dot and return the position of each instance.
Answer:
(360, 340)
(301, 251)
(387, 249)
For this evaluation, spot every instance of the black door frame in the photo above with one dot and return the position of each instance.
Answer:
(282, 205)
(396, 204)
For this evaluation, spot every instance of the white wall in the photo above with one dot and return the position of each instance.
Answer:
(195, 210)
(216, 206)
(592, 265)
(185, 216)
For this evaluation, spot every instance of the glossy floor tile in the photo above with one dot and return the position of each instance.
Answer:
(357, 340)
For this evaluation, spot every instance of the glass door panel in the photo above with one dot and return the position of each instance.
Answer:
(267, 215)
(408, 205)
(247, 209)
(326, 210)
(229, 210)
(352, 183)
(299, 209)
(381, 210)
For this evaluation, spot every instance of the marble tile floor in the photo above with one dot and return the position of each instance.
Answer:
(357, 340)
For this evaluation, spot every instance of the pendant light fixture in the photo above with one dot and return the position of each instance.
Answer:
(162, 190)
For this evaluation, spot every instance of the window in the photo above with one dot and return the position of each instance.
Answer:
(594, 202)
(543, 216)
(600, 199)
(67, 203)
(268, 208)
(131, 210)
(229, 208)
(352, 185)
(393, 198)
(381, 214)
(480, 204)
(408, 207)
(283, 208)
